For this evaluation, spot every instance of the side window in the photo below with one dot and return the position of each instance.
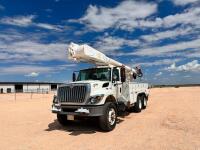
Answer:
(115, 74)
(8, 90)
(83, 76)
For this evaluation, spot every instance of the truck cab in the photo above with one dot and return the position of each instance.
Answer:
(103, 80)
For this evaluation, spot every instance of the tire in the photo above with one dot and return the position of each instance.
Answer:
(108, 120)
(138, 105)
(144, 102)
(62, 119)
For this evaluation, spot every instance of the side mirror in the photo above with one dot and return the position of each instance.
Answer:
(139, 71)
(123, 74)
(74, 77)
(134, 76)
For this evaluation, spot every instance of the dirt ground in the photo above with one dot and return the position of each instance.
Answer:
(170, 122)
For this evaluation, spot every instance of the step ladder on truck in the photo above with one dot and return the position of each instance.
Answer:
(101, 91)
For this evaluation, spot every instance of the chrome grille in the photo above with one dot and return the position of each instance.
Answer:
(72, 93)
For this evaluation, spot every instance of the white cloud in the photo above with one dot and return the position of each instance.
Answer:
(47, 26)
(27, 21)
(26, 69)
(34, 51)
(11, 35)
(34, 70)
(30, 47)
(159, 62)
(161, 50)
(167, 34)
(101, 18)
(108, 43)
(123, 16)
(183, 2)
(192, 66)
(23, 21)
(189, 17)
(159, 74)
(129, 15)
(144, 44)
(194, 54)
(32, 74)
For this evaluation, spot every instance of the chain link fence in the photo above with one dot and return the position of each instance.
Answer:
(34, 94)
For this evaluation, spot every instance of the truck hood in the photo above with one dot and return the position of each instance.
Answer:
(91, 82)
(96, 85)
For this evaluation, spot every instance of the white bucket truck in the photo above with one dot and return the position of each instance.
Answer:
(101, 91)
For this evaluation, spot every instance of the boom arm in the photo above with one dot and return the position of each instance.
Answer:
(88, 54)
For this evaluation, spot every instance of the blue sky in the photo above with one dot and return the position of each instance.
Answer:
(162, 36)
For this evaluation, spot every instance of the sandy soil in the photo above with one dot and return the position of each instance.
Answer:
(170, 122)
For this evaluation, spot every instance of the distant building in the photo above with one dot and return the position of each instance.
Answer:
(10, 87)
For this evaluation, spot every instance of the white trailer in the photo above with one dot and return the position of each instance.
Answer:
(101, 91)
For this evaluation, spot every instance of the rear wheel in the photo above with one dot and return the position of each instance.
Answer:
(108, 120)
(62, 119)
(138, 105)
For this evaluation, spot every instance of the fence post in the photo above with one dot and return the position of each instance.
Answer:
(15, 95)
(31, 94)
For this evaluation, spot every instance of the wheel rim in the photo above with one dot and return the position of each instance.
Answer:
(111, 116)
(140, 104)
(145, 102)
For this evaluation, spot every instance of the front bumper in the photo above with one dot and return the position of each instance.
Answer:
(76, 110)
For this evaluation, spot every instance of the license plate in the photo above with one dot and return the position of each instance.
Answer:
(70, 117)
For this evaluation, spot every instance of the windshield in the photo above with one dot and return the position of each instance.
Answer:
(102, 74)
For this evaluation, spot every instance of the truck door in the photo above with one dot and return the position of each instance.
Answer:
(117, 85)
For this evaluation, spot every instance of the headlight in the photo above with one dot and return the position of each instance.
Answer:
(55, 99)
(95, 99)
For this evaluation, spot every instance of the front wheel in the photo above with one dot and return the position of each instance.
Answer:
(108, 120)
(62, 119)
